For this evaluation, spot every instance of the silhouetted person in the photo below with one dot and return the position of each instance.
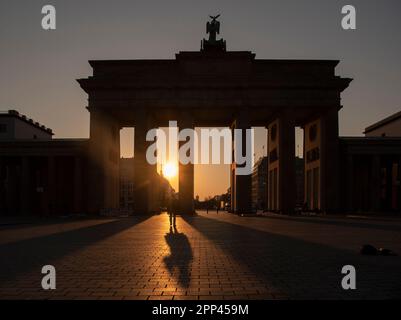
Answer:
(172, 209)
(172, 218)
(217, 209)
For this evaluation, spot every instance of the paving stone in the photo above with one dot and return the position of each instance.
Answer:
(208, 257)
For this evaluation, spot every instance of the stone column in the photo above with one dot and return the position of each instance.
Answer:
(272, 165)
(97, 159)
(281, 164)
(25, 185)
(241, 185)
(78, 184)
(286, 173)
(232, 180)
(186, 172)
(349, 180)
(399, 184)
(104, 156)
(113, 167)
(375, 183)
(389, 185)
(13, 188)
(3, 191)
(329, 161)
(143, 171)
(51, 184)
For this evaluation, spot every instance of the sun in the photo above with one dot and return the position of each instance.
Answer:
(170, 170)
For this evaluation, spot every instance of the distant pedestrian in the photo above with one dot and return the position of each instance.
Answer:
(172, 217)
(172, 209)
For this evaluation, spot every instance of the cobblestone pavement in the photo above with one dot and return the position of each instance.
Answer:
(208, 256)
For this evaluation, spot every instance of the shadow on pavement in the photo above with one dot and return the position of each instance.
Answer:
(180, 255)
(31, 254)
(302, 269)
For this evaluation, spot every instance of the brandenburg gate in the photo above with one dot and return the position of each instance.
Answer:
(214, 87)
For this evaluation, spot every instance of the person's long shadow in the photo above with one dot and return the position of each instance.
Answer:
(180, 256)
(298, 268)
(31, 254)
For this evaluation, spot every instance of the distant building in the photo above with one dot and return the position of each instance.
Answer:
(371, 174)
(16, 126)
(39, 175)
(44, 176)
(161, 187)
(163, 191)
(259, 184)
(388, 127)
(371, 165)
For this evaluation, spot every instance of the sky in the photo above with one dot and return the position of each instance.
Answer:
(39, 68)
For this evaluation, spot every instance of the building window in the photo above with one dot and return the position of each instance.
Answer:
(3, 128)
